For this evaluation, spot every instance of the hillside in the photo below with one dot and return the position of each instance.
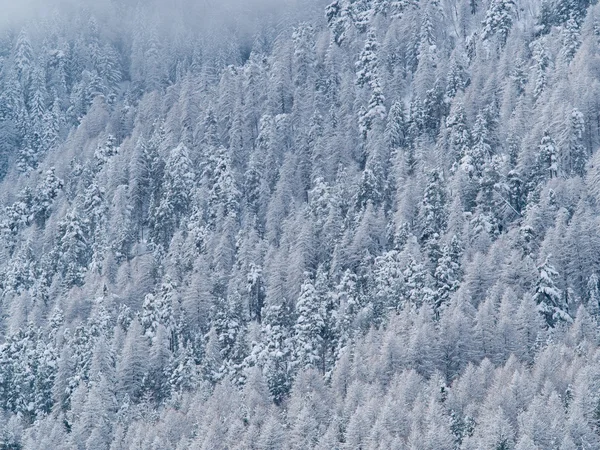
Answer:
(365, 224)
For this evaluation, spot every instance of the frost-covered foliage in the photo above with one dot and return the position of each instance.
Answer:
(368, 224)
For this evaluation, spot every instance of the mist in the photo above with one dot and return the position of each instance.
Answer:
(15, 13)
(196, 13)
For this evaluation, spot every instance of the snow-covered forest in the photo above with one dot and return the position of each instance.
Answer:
(298, 224)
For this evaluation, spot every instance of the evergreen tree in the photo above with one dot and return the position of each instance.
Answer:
(183, 374)
(570, 39)
(547, 159)
(396, 129)
(348, 301)
(498, 19)
(375, 111)
(542, 63)
(576, 154)
(23, 59)
(256, 291)
(488, 201)
(133, 362)
(275, 353)
(434, 216)
(175, 200)
(474, 158)
(159, 361)
(367, 65)
(593, 295)
(459, 137)
(549, 299)
(338, 19)
(224, 195)
(387, 285)
(448, 273)
(51, 126)
(229, 324)
(309, 329)
(417, 291)
(158, 309)
(73, 252)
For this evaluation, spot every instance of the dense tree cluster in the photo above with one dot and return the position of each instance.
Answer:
(364, 224)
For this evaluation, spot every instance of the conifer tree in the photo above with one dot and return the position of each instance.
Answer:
(542, 62)
(396, 128)
(367, 64)
(229, 324)
(498, 19)
(73, 252)
(448, 273)
(547, 160)
(417, 290)
(175, 200)
(23, 59)
(474, 158)
(459, 136)
(577, 155)
(434, 216)
(275, 354)
(593, 295)
(310, 328)
(549, 299)
(387, 285)
(133, 362)
(158, 308)
(570, 39)
(338, 19)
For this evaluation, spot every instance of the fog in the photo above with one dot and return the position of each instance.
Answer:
(15, 12)
(197, 13)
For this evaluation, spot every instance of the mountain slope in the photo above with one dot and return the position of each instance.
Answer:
(367, 224)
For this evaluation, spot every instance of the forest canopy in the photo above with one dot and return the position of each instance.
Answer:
(300, 224)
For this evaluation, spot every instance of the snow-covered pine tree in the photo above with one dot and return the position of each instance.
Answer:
(550, 300)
